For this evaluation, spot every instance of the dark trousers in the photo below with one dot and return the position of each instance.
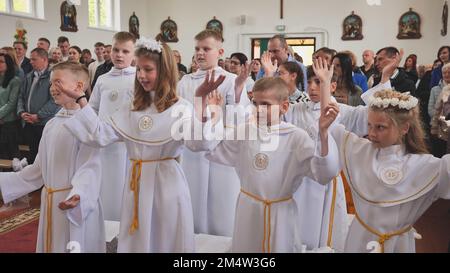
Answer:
(9, 145)
(33, 134)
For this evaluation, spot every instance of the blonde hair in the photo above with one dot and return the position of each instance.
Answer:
(77, 69)
(167, 79)
(207, 33)
(124, 37)
(276, 84)
(414, 138)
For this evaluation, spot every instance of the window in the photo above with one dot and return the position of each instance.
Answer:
(104, 14)
(28, 8)
(304, 46)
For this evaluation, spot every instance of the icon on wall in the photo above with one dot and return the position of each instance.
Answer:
(352, 28)
(409, 26)
(216, 25)
(68, 17)
(444, 19)
(169, 30)
(134, 25)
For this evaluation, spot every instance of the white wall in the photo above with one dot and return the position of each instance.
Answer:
(380, 23)
(49, 28)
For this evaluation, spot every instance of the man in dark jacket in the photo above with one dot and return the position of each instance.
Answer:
(399, 80)
(35, 104)
(21, 52)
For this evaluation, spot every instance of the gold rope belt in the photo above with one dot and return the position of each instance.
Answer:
(331, 221)
(267, 222)
(382, 237)
(50, 192)
(134, 186)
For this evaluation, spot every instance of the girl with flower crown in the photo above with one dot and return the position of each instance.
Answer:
(156, 204)
(400, 179)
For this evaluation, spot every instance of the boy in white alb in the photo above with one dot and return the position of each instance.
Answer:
(70, 173)
(271, 167)
(111, 91)
(214, 187)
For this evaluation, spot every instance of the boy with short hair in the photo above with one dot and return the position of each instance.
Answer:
(214, 187)
(99, 49)
(111, 91)
(70, 174)
(266, 213)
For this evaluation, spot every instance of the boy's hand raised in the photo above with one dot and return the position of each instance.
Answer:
(70, 204)
(209, 84)
(389, 69)
(328, 116)
(322, 71)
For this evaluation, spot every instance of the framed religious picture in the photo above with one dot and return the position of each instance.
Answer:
(216, 25)
(169, 30)
(352, 28)
(68, 17)
(409, 26)
(134, 25)
(444, 19)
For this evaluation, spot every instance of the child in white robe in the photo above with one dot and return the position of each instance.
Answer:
(393, 178)
(214, 187)
(266, 214)
(111, 91)
(322, 208)
(157, 212)
(70, 173)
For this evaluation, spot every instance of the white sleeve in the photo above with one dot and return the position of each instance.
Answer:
(369, 93)
(15, 185)
(354, 118)
(444, 184)
(325, 168)
(88, 128)
(86, 183)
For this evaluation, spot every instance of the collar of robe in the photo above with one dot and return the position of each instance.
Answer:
(200, 74)
(381, 165)
(66, 113)
(123, 72)
(149, 127)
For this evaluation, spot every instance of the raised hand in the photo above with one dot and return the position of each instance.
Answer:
(74, 94)
(243, 76)
(328, 116)
(214, 98)
(70, 204)
(322, 71)
(389, 69)
(209, 84)
(269, 67)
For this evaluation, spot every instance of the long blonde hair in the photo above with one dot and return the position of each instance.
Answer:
(414, 140)
(166, 85)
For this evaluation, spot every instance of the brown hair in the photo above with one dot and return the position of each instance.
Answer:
(77, 69)
(209, 33)
(271, 83)
(293, 67)
(166, 85)
(414, 138)
(124, 37)
(12, 53)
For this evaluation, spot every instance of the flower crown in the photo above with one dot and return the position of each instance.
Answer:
(149, 44)
(395, 102)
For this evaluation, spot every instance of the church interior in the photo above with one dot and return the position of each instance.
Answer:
(416, 28)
